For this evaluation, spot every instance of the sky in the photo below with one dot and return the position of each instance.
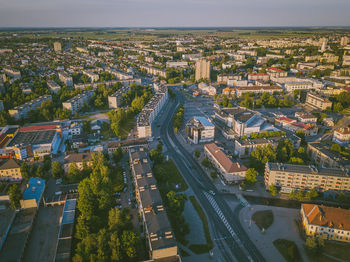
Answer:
(173, 13)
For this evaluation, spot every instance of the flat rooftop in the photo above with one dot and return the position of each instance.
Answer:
(33, 138)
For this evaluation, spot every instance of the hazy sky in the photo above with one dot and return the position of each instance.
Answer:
(148, 13)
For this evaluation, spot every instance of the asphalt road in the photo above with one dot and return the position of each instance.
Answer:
(230, 238)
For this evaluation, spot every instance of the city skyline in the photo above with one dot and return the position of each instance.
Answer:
(155, 13)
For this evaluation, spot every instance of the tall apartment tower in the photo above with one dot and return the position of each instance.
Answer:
(202, 69)
(344, 41)
(57, 47)
(324, 42)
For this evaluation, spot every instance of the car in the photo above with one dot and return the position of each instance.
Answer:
(212, 192)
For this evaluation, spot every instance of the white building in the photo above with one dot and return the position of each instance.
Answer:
(76, 103)
(200, 129)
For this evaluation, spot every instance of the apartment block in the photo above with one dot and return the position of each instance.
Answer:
(57, 47)
(240, 91)
(317, 101)
(160, 239)
(331, 223)
(301, 177)
(232, 172)
(53, 86)
(22, 110)
(322, 155)
(76, 103)
(199, 130)
(154, 71)
(65, 78)
(259, 76)
(150, 111)
(79, 159)
(12, 73)
(115, 100)
(10, 170)
(202, 69)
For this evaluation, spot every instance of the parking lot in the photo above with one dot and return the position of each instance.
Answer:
(201, 106)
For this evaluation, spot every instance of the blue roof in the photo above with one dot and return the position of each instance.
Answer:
(34, 190)
(204, 121)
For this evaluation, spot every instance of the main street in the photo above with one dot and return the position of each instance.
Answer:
(230, 238)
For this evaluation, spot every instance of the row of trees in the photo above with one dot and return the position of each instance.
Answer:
(179, 118)
(266, 100)
(265, 134)
(104, 233)
(284, 152)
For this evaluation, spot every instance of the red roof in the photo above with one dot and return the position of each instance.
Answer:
(285, 119)
(37, 128)
(258, 74)
(275, 69)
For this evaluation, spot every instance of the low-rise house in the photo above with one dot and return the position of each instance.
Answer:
(259, 76)
(310, 129)
(306, 117)
(342, 135)
(10, 170)
(199, 130)
(329, 223)
(79, 159)
(276, 72)
(232, 172)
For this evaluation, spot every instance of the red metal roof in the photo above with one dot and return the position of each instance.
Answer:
(275, 69)
(37, 128)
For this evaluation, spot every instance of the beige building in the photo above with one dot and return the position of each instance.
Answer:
(79, 159)
(329, 223)
(317, 101)
(202, 70)
(22, 110)
(76, 103)
(10, 170)
(322, 155)
(342, 135)
(301, 177)
(57, 47)
(199, 130)
(115, 100)
(231, 172)
(257, 90)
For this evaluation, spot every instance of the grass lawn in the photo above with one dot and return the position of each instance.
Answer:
(201, 248)
(288, 249)
(263, 219)
(173, 176)
(339, 250)
(125, 128)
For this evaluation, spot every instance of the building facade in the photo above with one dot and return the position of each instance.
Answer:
(202, 70)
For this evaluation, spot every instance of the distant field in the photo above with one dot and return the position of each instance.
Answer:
(162, 33)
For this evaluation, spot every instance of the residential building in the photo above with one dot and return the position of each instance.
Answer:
(223, 79)
(342, 135)
(317, 101)
(76, 103)
(115, 100)
(231, 171)
(57, 47)
(154, 71)
(80, 159)
(75, 129)
(240, 91)
(305, 117)
(65, 78)
(53, 86)
(294, 83)
(244, 147)
(199, 130)
(22, 110)
(92, 76)
(346, 60)
(202, 69)
(344, 41)
(301, 177)
(259, 76)
(10, 170)
(160, 239)
(179, 64)
(151, 110)
(322, 155)
(12, 73)
(310, 129)
(331, 223)
(276, 72)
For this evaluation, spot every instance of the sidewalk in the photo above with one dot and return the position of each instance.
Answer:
(283, 218)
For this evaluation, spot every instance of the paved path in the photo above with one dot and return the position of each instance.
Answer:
(284, 218)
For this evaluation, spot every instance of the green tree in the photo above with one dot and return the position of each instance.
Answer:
(57, 170)
(206, 163)
(197, 153)
(273, 190)
(338, 107)
(25, 170)
(251, 176)
(130, 243)
(15, 196)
